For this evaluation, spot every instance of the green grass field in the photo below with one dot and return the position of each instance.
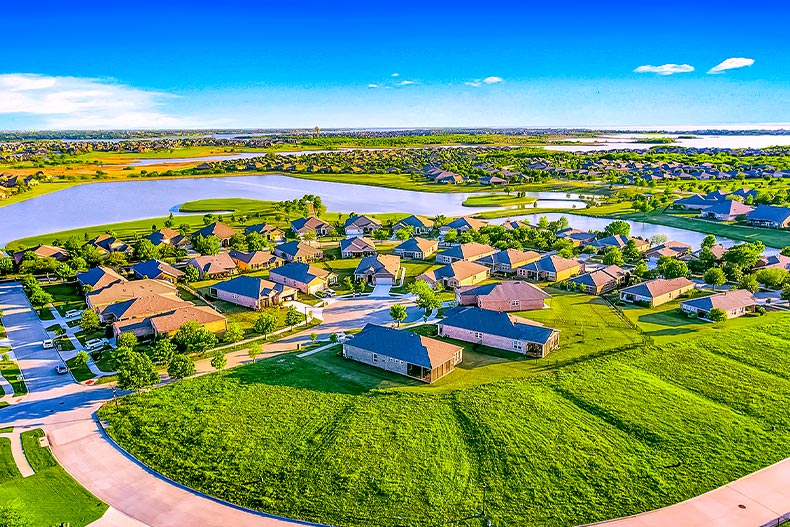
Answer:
(497, 200)
(605, 426)
(10, 370)
(51, 496)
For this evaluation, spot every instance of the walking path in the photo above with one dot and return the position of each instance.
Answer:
(18, 453)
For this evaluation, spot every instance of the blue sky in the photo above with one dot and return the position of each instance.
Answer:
(392, 64)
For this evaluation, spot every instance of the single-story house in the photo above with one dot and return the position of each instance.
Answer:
(357, 247)
(403, 352)
(619, 241)
(499, 330)
(302, 226)
(269, 232)
(601, 280)
(361, 225)
(463, 224)
(214, 265)
(735, 303)
(503, 296)
(251, 292)
(252, 260)
(727, 210)
(550, 268)
(298, 252)
(776, 261)
(141, 307)
(695, 202)
(305, 278)
(218, 230)
(168, 236)
(382, 268)
(110, 244)
(43, 251)
(769, 216)
(417, 248)
(157, 270)
(670, 248)
(508, 260)
(126, 290)
(165, 324)
(456, 274)
(576, 236)
(419, 224)
(98, 278)
(656, 292)
(466, 251)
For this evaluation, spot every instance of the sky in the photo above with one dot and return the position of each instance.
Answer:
(236, 64)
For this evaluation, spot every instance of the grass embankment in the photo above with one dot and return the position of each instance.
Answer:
(51, 496)
(498, 200)
(324, 439)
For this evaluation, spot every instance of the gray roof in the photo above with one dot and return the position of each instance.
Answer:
(496, 323)
(769, 213)
(248, 286)
(404, 345)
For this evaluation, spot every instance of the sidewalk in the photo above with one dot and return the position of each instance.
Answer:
(71, 335)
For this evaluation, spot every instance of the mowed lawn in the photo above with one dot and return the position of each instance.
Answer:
(610, 428)
(50, 496)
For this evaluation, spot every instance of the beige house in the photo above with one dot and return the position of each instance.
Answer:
(503, 296)
(735, 303)
(465, 252)
(455, 275)
(656, 292)
(417, 248)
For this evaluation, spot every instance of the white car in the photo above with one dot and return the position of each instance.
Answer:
(61, 369)
(341, 336)
(73, 313)
(329, 292)
(94, 343)
(48, 343)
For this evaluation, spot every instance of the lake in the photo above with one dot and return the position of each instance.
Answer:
(626, 141)
(112, 202)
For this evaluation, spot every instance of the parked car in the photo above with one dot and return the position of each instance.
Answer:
(330, 292)
(73, 313)
(61, 369)
(94, 343)
(48, 343)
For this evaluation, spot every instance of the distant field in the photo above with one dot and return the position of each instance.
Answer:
(605, 426)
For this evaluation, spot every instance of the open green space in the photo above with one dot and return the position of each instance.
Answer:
(81, 372)
(50, 496)
(498, 200)
(10, 370)
(65, 297)
(8, 468)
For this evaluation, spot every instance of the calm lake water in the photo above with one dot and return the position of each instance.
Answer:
(101, 203)
(621, 141)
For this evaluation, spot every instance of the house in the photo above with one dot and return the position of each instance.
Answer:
(141, 307)
(254, 260)
(302, 226)
(361, 225)
(418, 224)
(417, 248)
(379, 269)
(502, 296)
(727, 210)
(165, 324)
(465, 252)
(769, 216)
(403, 352)
(218, 230)
(717, 250)
(656, 292)
(212, 266)
(109, 244)
(602, 280)
(252, 293)
(98, 278)
(463, 224)
(671, 249)
(492, 180)
(550, 268)
(511, 225)
(43, 251)
(508, 260)
(298, 252)
(126, 290)
(776, 261)
(499, 330)
(305, 278)
(455, 275)
(357, 247)
(157, 270)
(735, 303)
(619, 241)
(576, 236)
(268, 232)
(168, 236)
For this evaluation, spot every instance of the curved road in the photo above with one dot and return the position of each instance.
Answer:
(138, 497)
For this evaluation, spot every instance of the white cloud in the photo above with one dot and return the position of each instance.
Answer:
(731, 64)
(395, 75)
(665, 69)
(493, 80)
(405, 83)
(475, 83)
(373, 85)
(74, 102)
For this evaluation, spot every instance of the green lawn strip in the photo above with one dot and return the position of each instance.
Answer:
(66, 297)
(498, 200)
(82, 372)
(10, 370)
(6, 429)
(8, 468)
(51, 496)
(45, 314)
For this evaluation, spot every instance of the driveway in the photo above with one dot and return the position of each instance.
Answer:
(25, 334)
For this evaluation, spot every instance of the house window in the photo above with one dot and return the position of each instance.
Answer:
(515, 303)
(375, 357)
(478, 335)
(517, 345)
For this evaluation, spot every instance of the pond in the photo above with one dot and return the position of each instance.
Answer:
(111, 202)
(628, 141)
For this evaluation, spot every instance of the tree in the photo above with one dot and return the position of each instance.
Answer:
(772, 277)
(618, 227)
(163, 351)
(292, 317)
(191, 274)
(180, 367)
(451, 235)
(786, 292)
(313, 336)
(238, 241)
(116, 259)
(404, 233)
(218, 360)
(11, 516)
(672, 267)
(717, 315)
(6, 265)
(427, 299)
(715, 277)
(613, 256)
(255, 242)
(744, 255)
(349, 283)
(234, 333)
(206, 245)
(135, 370)
(64, 271)
(89, 321)
(39, 297)
(398, 313)
(786, 251)
(91, 255)
(79, 264)
(631, 252)
(126, 340)
(658, 239)
(709, 241)
(194, 338)
(640, 269)
(144, 249)
(265, 324)
(749, 282)
(82, 358)
(254, 350)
